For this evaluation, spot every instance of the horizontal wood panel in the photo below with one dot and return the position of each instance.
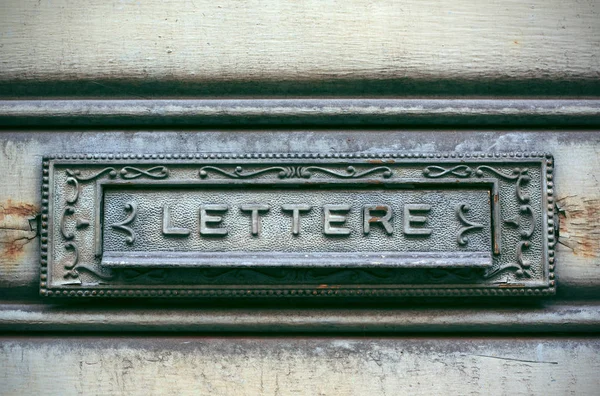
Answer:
(342, 366)
(406, 317)
(265, 47)
(301, 112)
(576, 159)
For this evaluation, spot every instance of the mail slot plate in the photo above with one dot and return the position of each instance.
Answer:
(259, 225)
(374, 226)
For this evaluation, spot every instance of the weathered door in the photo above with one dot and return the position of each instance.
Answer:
(423, 176)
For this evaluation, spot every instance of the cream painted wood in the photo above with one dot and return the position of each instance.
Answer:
(289, 40)
(302, 366)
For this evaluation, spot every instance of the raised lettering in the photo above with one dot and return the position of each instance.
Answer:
(411, 219)
(384, 220)
(296, 209)
(335, 218)
(205, 219)
(166, 225)
(254, 209)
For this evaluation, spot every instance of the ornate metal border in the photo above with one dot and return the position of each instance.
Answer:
(433, 171)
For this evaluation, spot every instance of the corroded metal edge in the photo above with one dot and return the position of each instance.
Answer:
(300, 112)
(549, 289)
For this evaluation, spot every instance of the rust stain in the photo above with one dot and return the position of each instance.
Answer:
(19, 209)
(328, 287)
(510, 285)
(15, 232)
(580, 225)
(380, 161)
(13, 249)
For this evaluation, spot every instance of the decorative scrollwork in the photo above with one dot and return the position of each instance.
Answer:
(351, 172)
(81, 223)
(524, 264)
(73, 247)
(516, 221)
(434, 171)
(461, 209)
(73, 199)
(286, 172)
(521, 267)
(240, 173)
(479, 172)
(220, 275)
(81, 267)
(523, 178)
(157, 172)
(69, 210)
(135, 274)
(452, 274)
(518, 175)
(529, 232)
(74, 268)
(112, 173)
(122, 226)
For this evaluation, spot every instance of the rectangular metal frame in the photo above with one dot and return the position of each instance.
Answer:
(287, 169)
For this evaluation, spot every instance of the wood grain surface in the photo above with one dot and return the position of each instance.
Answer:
(250, 44)
(299, 366)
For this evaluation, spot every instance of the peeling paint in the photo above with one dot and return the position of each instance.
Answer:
(580, 225)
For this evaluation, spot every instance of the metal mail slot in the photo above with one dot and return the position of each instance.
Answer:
(239, 225)
(297, 225)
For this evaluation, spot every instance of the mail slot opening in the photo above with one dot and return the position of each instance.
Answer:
(212, 226)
